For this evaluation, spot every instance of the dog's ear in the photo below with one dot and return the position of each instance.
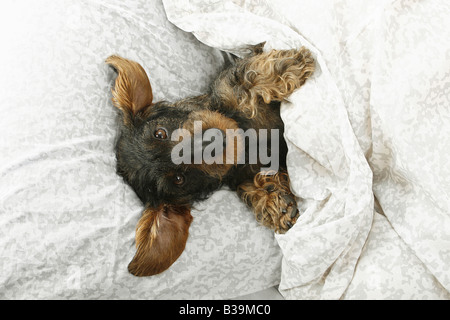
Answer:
(161, 236)
(132, 92)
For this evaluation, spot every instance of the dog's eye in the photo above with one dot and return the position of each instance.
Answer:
(178, 179)
(161, 133)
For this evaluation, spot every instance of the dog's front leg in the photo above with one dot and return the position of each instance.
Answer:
(262, 78)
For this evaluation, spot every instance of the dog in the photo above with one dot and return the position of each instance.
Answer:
(245, 96)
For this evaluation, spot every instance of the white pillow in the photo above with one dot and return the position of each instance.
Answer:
(67, 221)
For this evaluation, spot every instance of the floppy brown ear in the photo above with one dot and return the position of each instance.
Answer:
(132, 92)
(161, 236)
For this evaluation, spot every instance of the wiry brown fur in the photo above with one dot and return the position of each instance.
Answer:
(213, 119)
(265, 76)
(245, 95)
(271, 200)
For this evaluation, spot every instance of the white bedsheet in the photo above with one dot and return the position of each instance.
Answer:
(374, 120)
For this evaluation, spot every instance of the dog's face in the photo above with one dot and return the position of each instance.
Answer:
(144, 159)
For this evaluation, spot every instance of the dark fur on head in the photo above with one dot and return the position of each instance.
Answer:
(144, 161)
(245, 95)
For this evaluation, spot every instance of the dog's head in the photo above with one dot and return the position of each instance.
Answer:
(145, 159)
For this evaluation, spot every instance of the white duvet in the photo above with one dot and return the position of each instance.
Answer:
(372, 123)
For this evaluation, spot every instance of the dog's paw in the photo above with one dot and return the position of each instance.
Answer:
(280, 211)
(289, 212)
(272, 202)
